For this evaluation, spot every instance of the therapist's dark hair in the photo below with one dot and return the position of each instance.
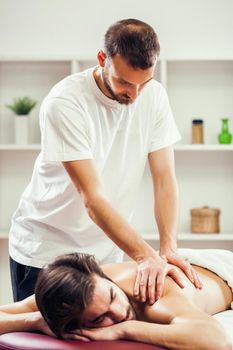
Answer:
(64, 288)
(134, 40)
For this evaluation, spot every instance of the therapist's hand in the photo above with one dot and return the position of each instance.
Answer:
(185, 266)
(151, 273)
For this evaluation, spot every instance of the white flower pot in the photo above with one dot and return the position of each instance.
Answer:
(21, 129)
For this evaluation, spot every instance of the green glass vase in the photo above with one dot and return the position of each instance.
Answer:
(225, 137)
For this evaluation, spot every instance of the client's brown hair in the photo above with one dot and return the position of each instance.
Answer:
(64, 288)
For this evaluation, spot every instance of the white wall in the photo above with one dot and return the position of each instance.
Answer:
(186, 28)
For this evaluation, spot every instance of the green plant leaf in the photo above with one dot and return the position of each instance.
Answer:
(22, 105)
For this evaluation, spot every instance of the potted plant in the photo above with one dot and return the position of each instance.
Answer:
(22, 106)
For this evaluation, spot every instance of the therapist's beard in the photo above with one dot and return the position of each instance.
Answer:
(121, 98)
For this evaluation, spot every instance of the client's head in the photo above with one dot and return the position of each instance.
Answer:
(73, 292)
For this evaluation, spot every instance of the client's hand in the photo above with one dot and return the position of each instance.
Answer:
(113, 332)
(184, 265)
(40, 324)
(150, 278)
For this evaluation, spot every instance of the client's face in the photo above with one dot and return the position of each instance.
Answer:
(109, 305)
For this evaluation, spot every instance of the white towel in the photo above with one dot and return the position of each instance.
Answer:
(226, 320)
(219, 261)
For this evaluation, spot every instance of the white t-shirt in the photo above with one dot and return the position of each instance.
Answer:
(77, 122)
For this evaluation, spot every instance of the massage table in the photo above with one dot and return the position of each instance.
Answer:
(35, 341)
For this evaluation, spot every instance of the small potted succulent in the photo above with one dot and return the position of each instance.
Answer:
(22, 106)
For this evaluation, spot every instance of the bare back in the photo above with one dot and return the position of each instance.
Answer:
(214, 297)
(176, 304)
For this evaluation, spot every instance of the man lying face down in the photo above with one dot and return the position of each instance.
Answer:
(80, 300)
(74, 292)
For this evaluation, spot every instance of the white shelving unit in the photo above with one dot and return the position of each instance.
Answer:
(205, 147)
(13, 147)
(3, 235)
(196, 240)
(200, 89)
(196, 89)
(150, 236)
(177, 147)
(193, 236)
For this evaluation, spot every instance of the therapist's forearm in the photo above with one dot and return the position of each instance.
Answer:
(118, 229)
(167, 212)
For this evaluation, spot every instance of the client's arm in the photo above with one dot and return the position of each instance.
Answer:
(189, 328)
(22, 316)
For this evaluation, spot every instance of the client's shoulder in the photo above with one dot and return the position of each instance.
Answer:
(123, 274)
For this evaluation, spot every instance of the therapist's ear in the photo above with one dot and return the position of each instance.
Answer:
(101, 58)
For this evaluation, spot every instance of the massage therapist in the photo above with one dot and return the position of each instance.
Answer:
(98, 129)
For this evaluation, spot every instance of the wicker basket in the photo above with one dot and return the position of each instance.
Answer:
(205, 220)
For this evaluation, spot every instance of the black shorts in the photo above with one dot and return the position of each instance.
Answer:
(23, 279)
